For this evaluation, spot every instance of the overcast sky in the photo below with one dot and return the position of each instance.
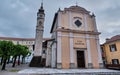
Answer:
(18, 17)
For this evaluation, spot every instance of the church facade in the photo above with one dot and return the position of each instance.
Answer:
(74, 42)
(75, 39)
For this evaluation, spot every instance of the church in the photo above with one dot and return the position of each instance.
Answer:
(74, 42)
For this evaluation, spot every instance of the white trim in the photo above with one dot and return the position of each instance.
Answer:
(95, 26)
(71, 49)
(53, 63)
(59, 19)
(59, 48)
(86, 64)
(59, 40)
(85, 22)
(70, 20)
(99, 51)
(77, 36)
(88, 49)
(87, 39)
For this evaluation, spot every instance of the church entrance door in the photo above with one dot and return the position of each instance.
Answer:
(80, 59)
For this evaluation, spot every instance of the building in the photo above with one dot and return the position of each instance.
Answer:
(111, 50)
(76, 39)
(29, 42)
(103, 53)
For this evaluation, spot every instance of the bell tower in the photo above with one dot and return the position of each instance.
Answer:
(36, 60)
(39, 31)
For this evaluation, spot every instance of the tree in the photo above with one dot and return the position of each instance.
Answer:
(15, 53)
(1, 56)
(25, 52)
(18, 51)
(6, 48)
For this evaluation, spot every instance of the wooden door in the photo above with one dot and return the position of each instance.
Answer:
(80, 59)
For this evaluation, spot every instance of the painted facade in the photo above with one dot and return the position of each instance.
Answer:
(111, 50)
(76, 39)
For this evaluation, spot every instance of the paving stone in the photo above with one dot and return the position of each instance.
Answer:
(48, 71)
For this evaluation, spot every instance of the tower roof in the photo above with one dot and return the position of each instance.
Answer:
(41, 10)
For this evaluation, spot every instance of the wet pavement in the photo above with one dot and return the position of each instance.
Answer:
(25, 70)
(13, 71)
(47, 71)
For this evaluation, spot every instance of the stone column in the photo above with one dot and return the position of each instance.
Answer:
(99, 53)
(72, 64)
(59, 61)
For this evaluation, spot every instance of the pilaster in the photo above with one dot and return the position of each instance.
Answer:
(53, 60)
(59, 19)
(72, 65)
(59, 52)
(90, 65)
(70, 19)
(99, 53)
(59, 65)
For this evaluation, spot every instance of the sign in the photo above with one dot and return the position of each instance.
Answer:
(79, 43)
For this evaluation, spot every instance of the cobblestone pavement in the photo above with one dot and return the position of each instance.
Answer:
(10, 73)
(25, 70)
(13, 71)
(47, 71)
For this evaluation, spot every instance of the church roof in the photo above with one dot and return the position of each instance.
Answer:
(55, 17)
(77, 9)
(114, 38)
(71, 8)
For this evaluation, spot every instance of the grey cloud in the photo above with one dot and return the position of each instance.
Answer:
(18, 17)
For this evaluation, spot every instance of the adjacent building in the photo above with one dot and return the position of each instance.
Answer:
(103, 53)
(111, 50)
(29, 42)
